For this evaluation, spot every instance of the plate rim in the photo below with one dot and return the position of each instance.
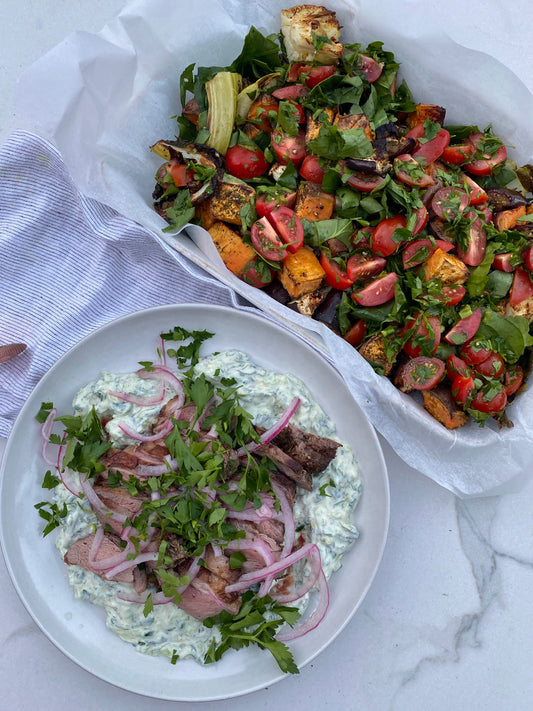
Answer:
(261, 322)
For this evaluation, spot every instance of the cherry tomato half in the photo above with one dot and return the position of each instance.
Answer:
(288, 148)
(477, 241)
(475, 352)
(411, 172)
(245, 163)
(361, 268)
(457, 366)
(512, 379)
(266, 241)
(528, 258)
(179, 173)
(489, 404)
(257, 274)
(432, 149)
(464, 330)
(521, 288)
(294, 91)
(449, 202)
(312, 170)
(264, 205)
(334, 275)
(426, 338)
(377, 292)
(484, 165)
(455, 155)
(423, 373)
(364, 182)
(422, 217)
(452, 295)
(502, 262)
(491, 367)
(382, 236)
(476, 194)
(289, 227)
(311, 75)
(419, 250)
(462, 388)
(370, 68)
(356, 333)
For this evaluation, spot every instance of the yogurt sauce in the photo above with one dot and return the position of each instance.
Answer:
(326, 518)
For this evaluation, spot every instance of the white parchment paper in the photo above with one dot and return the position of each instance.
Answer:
(104, 99)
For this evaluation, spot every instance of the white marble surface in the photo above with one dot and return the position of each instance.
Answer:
(448, 622)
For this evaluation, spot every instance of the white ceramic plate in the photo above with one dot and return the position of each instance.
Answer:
(39, 574)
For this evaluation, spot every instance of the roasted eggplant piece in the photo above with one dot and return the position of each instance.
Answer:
(185, 153)
(504, 199)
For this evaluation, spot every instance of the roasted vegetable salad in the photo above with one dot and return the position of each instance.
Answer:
(322, 181)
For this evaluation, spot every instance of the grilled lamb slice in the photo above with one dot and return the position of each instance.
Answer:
(287, 465)
(219, 564)
(314, 453)
(78, 554)
(120, 459)
(206, 597)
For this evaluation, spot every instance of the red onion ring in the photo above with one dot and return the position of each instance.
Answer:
(158, 598)
(306, 585)
(141, 400)
(287, 519)
(160, 434)
(141, 558)
(248, 579)
(316, 616)
(46, 431)
(164, 374)
(71, 480)
(272, 431)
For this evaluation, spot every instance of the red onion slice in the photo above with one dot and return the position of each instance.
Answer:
(248, 579)
(287, 519)
(165, 375)
(141, 400)
(46, 431)
(157, 598)
(72, 481)
(141, 558)
(160, 434)
(307, 584)
(315, 618)
(272, 431)
(98, 504)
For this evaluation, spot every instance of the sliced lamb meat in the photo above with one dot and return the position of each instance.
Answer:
(287, 465)
(120, 458)
(175, 548)
(119, 499)
(273, 529)
(148, 452)
(311, 451)
(288, 486)
(206, 596)
(253, 532)
(219, 564)
(78, 554)
(140, 580)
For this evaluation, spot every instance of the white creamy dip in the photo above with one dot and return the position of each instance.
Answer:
(326, 519)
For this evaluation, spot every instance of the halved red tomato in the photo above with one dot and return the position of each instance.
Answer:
(383, 242)
(455, 155)
(365, 182)
(266, 241)
(449, 202)
(370, 68)
(490, 404)
(245, 163)
(422, 216)
(334, 275)
(361, 268)
(294, 91)
(512, 379)
(426, 337)
(377, 292)
(356, 333)
(463, 387)
(476, 194)
(264, 206)
(528, 258)
(475, 352)
(258, 275)
(288, 148)
(457, 366)
(502, 262)
(179, 173)
(452, 295)
(419, 250)
(289, 227)
(262, 113)
(521, 288)
(411, 172)
(432, 149)
(484, 165)
(312, 75)
(465, 329)
(491, 367)
(477, 241)
(312, 170)
(361, 238)
(423, 373)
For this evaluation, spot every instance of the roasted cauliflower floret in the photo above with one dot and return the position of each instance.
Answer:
(298, 26)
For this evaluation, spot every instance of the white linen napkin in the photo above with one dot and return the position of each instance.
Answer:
(69, 265)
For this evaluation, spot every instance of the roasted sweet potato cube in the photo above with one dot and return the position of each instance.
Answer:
(301, 272)
(315, 122)
(228, 200)
(507, 219)
(312, 203)
(446, 267)
(373, 350)
(204, 213)
(440, 404)
(426, 111)
(235, 253)
(348, 121)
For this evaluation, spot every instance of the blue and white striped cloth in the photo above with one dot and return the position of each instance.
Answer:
(69, 265)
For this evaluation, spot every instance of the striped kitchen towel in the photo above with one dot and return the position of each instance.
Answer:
(70, 264)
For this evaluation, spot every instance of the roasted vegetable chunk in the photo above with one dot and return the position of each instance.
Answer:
(301, 273)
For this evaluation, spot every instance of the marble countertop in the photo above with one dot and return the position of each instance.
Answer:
(448, 621)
